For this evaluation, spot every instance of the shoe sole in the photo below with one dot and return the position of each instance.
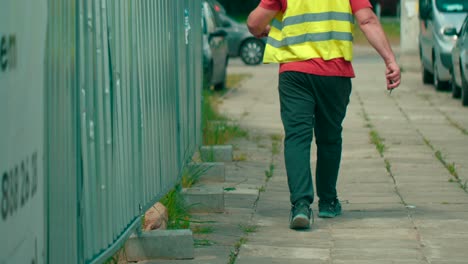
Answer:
(300, 222)
(327, 215)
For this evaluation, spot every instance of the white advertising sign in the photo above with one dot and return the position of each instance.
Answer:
(22, 206)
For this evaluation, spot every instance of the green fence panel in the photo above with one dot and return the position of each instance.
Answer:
(124, 108)
(62, 160)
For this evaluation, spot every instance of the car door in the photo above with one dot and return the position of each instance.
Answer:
(457, 54)
(463, 49)
(217, 44)
(425, 35)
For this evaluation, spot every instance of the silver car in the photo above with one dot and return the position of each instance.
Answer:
(241, 42)
(460, 65)
(215, 49)
(440, 22)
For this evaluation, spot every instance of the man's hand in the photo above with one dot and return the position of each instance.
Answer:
(259, 21)
(370, 26)
(393, 76)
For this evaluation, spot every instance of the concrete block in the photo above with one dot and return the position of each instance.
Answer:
(210, 171)
(204, 199)
(160, 244)
(216, 153)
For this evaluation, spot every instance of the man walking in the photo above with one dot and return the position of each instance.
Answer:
(312, 42)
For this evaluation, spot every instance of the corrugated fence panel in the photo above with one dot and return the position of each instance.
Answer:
(123, 94)
(62, 141)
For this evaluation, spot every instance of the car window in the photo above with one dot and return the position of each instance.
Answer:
(215, 15)
(452, 5)
(464, 29)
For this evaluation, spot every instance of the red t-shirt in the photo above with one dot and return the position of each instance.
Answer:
(333, 67)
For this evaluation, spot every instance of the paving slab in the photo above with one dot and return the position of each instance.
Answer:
(412, 215)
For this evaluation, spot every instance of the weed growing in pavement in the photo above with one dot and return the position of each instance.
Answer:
(233, 80)
(261, 189)
(451, 169)
(276, 137)
(119, 257)
(202, 230)
(247, 229)
(240, 157)
(449, 166)
(447, 117)
(275, 147)
(217, 129)
(178, 215)
(203, 242)
(269, 172)
(377, 141)
(455, 124)
(191, 174)
(235, 251)
(388, 166)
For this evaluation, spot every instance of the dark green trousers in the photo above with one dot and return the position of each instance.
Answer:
(313, 104)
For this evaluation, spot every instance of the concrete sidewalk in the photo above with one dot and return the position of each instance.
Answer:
(404, 204)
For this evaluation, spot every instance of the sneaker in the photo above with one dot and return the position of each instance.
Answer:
(300, 215)
(329, 209)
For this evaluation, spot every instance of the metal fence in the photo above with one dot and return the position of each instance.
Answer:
(122, 116)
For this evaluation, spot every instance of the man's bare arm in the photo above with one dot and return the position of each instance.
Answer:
(259, 21)
(372, 29)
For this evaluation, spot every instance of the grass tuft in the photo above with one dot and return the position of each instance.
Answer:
(377, 141)
(178, 215)
(247, 229)
(269, 172)
(202, 230)
(217, 129)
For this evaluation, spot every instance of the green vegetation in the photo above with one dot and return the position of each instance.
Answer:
(377, 141)
(119, 257)
(217, 129)
(178, 215)
(203, 242)
(233, 80)
(202, 230)
(191, 174)
(269, 172)
(247, 229)
(391, 28)
(240, 157)
(235, 252)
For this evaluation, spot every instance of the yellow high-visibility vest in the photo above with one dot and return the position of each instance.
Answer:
(311, 29)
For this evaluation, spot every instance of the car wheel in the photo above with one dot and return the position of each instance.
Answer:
(208, 76)
(427, 76)
(464, 91)
(222, 85)
(251, 51)
(456, 91)
(439, 85)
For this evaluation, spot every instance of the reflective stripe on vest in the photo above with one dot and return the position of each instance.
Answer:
(311, 29)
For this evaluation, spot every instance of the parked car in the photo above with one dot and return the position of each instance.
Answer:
(440, 20)
(215, 49)
(460, 65)
(242, 43)
(386, 7)
(218, 7)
